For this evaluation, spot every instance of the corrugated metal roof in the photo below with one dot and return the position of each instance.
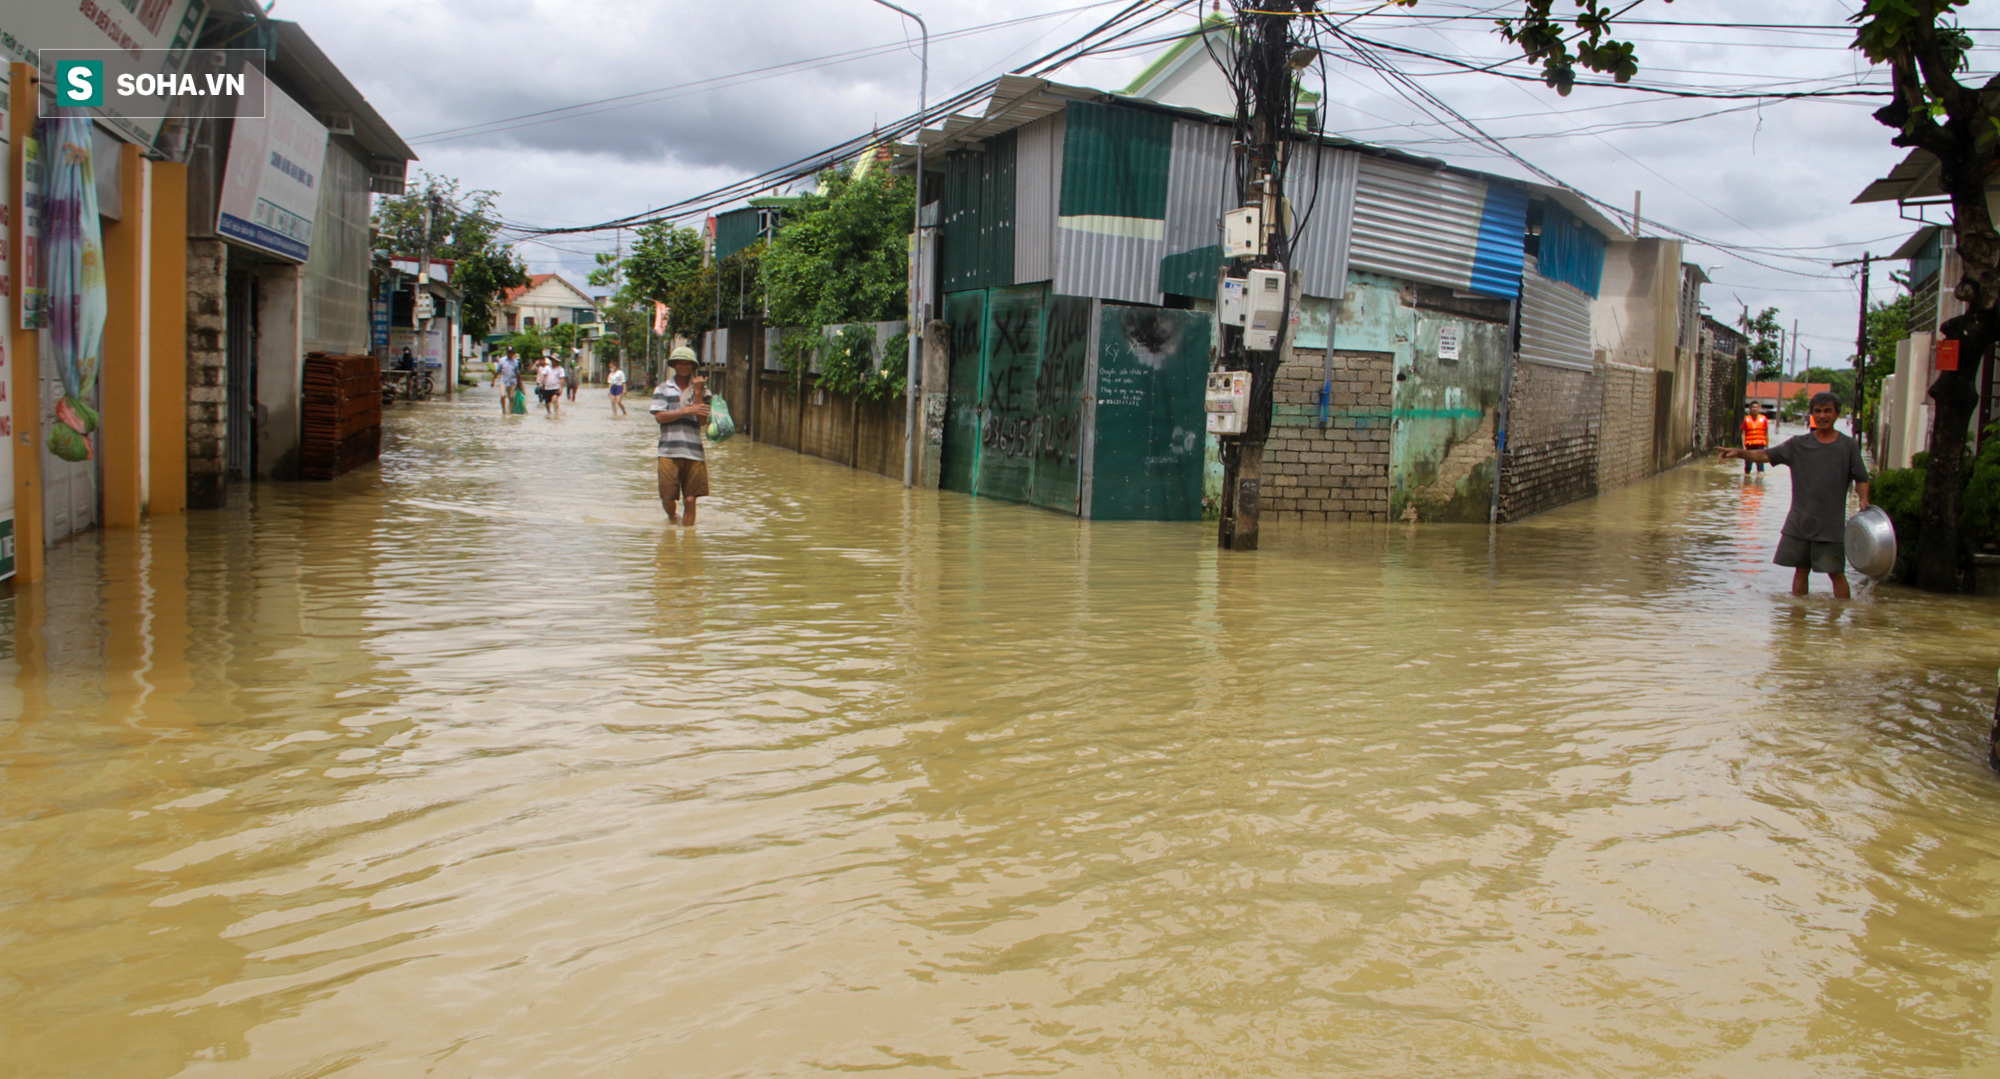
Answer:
(1037, 178)
(1417, 224)
(1320, 183)
(1555, 323)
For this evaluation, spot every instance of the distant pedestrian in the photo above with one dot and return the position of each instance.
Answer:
(617, 380)
(680, 405)
(548, 386)
(1756, 435)
(1823, 462)
(572, 378)
(507, 373)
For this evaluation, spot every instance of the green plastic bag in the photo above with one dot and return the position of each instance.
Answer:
(520, 402)
(720, 426)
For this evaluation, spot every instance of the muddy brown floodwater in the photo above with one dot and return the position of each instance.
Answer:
(470, 767)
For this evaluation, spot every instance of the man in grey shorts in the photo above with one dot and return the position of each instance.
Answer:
(1823, 461)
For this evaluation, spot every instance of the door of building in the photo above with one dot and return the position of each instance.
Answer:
(240, 401)
(69, 489)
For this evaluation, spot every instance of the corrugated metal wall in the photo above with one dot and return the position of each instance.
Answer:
(735, 231)
(1111, 228)
(1555, 322)
(1200, 183)
(1503, 232)
(1415, 223)
(1321, 187)
(1037, 178)
(978, 242)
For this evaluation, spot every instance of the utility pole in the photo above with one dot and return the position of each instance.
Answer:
(423, 292)
(1266, 57)
(1792, 365)
(1861, 349)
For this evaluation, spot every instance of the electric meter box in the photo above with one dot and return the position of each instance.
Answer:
(1227, 402)
(1243, 233)
(1265, 293)
(1232, 304)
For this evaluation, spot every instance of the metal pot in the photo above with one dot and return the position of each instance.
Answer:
(1871, 543)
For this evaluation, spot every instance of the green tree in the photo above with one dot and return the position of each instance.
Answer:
(842, 254)
(667, 265)
(1766, 352)
(1888, 323)
(1839, 379)
(464, 229)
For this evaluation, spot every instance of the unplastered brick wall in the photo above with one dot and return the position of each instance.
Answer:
(207, 375)
(1625, 448)
(1553, 426)
(1339, 472)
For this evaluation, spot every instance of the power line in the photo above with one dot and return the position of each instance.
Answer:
(642, 97)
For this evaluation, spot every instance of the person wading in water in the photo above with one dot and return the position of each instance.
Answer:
(680, 404)
(1756, 435)
(1823, 462)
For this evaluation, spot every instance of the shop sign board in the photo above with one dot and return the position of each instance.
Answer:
(136, 37)
(270, 187)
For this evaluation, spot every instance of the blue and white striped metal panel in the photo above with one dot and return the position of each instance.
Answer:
(1037, 181)
(1555, 322)
(1320, 184)
(1200, 177)
(1425, 225)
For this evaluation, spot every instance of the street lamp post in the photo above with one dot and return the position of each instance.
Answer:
(915, 326)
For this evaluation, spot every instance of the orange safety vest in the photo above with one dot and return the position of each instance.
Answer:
(1756, 432)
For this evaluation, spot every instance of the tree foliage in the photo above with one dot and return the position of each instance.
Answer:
(842, 254)
(464, 229)
(1766, 351)
(1925, 50)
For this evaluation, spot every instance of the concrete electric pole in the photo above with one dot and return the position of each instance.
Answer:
(1860, 348)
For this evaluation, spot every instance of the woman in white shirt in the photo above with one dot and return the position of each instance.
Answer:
(617, 380)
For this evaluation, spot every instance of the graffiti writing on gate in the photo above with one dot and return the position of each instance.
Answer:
(1032, 403)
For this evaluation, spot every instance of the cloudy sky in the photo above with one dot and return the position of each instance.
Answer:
(711, 92)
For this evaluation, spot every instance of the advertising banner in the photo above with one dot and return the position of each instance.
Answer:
(270, 187)
(6, 366)
(28, 288)
(143, 37)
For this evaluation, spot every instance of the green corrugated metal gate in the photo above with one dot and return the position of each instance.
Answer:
(1017, 427)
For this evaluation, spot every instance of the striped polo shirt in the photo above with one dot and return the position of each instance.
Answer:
(682, 437)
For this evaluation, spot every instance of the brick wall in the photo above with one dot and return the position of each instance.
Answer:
(1626, 453)
(207, 376)
(1553, 428)
(1341, 472)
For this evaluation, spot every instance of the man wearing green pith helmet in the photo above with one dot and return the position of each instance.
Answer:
(680, 405)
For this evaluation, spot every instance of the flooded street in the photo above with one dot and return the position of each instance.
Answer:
(470, 766)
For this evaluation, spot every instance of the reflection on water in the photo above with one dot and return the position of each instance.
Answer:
(470, 766)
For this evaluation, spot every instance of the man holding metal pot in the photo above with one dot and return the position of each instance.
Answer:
(1823, 462)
